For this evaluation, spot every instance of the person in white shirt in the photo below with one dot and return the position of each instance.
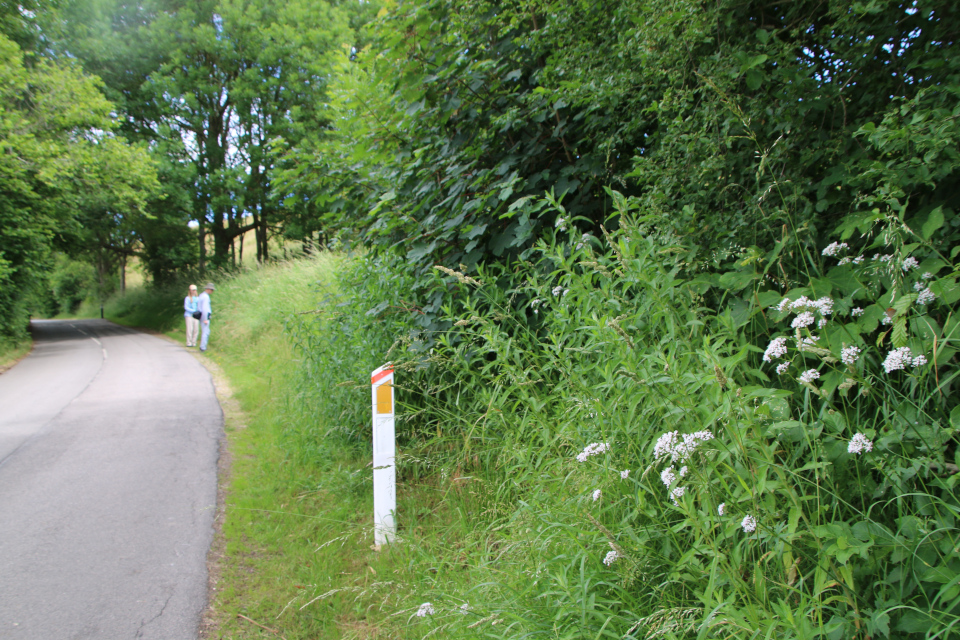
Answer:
(205, 312)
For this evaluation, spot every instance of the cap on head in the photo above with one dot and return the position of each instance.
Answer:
(193, 287)
(210, 287)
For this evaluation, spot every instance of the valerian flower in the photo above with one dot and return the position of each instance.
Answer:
(809, 375)
(859, 443)
(856, 312)
(824, 305)
(720, 509)
(624, 474)
(749, 524)
(782, 367)
(804, 319)
(668, 477)
(611, 557)
(898, 359)
(909, 263)
(593, 449)
(679, 447)
(776, 349)
(834, 248)
(426, 609)
(597, 494)
(849, 355)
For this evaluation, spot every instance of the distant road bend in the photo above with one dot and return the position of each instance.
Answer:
(108, 460)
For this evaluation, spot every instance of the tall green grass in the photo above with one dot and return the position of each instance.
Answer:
(605, 340)
(515, 522)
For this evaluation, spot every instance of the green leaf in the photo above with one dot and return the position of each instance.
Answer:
(899, 337)
(934, 222)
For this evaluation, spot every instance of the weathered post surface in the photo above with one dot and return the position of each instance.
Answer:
(384, 451)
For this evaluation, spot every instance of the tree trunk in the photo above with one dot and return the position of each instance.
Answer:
(202, 229)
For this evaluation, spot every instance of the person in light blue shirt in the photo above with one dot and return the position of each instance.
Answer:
(205, 312)
(191, 304)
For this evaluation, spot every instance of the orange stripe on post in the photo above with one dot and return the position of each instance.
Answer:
(381, 375)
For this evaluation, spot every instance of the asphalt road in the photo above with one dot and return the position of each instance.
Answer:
(108, 460)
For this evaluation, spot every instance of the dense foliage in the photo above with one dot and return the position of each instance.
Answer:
(67, 181)
(771, 279)
(671, 287)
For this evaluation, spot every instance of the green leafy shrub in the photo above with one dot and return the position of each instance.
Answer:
(71, 282)
(815, 496)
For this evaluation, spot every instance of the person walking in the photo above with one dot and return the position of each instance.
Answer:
(191, 307)
(205, 313)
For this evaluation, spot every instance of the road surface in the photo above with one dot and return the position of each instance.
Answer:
(108, 459)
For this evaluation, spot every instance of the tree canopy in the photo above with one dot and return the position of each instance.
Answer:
(67, 181)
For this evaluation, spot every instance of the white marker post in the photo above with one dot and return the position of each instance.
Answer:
(384, 451)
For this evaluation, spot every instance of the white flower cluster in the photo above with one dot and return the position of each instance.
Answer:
(597, 494)
(559, 291)
(848, 260)
(856, 312)
(561, 224)
(584, 239)
(676, 494)
(926, 275)
(822, 305)
(810, 341)
(611, 557)
(776, 349)
(624, 474)
(593, 449)
(465, 608)
(426, 609)
(809, 375)
(749, 524)
(679, 447)
(782, 368)
(668, 477)
(834, 248)
(924, 295)
(859, 443)
(849, 355)
(804, 319)
(901, 359)
(909, 263)
(720, 509)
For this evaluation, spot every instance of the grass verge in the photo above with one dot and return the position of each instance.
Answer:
(12, 352)
(291, 533)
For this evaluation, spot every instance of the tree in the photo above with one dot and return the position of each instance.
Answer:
(63, 174)
(219, 81)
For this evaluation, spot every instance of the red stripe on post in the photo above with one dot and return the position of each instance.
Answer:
(381, 375)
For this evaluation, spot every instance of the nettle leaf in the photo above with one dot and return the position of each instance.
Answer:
(899, 337)
(902, 304)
